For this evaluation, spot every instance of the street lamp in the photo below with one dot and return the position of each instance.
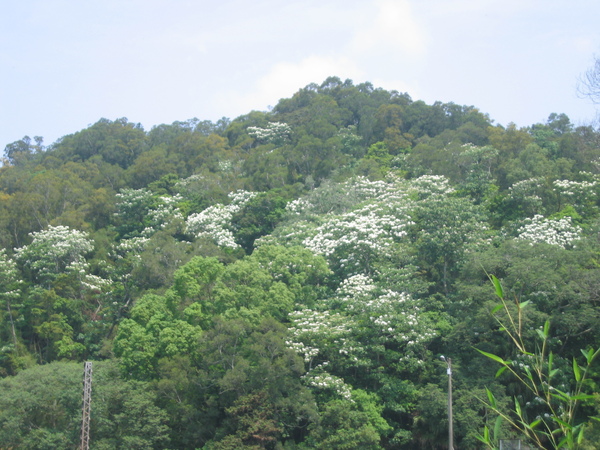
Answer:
(448, 362)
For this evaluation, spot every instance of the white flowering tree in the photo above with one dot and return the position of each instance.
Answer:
(357, 329)
(54, 251)
(146, 221)
(64, 296)
(214, 222)
(582, 195)
(526, 196)
(277, 133)
(560, 232)
(141, 213)
(9, 292)
(353, 225)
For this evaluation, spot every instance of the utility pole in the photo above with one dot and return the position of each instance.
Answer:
(448, 362)
(87, 406)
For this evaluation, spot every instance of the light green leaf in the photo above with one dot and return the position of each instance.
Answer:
(497, 308)
(497, 286)
(497, 426)
(541, 334)
(501, 371)
(576, 371)
(580, 434)
(491, 398)
(535, 423)
(494, 357)
(518, 409)
(486, 437)
(582, 397)
(524, 304)
(567, 425)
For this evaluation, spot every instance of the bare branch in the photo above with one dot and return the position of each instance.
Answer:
(589, 83)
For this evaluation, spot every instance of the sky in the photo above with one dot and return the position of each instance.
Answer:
(65, 64)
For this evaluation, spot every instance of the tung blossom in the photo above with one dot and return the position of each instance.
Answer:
(559, 232)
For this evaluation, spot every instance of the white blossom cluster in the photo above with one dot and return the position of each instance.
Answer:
(277, 133)
(58, 250)
(184, 183)
(323, 380)
(215, 221)
(356, 286)
(9, 275)
(165, 212)
(431, 186)
(353, 238)
(158, 212)
(560, 232)
(225, 165)
(577, 193)
(339, 198)
(308, 322)
(133, 246)
(54, 250)
(129, 200)
(313, 331)
(301, 349)
(528, 194)
(395, 314)
(359, 231)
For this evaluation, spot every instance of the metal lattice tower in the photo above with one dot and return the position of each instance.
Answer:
(87, 406)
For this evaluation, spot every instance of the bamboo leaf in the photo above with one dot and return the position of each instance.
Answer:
(580, 434)
(535, 423)
(494, 357)
(524, 304)
(576, 371)
(497, 286)
(497, 308)
(528, 373)
(541, 334)
(567, 425)
(491, 398)
(582, 397)
(587, 354)
(501, 371)
(560, 395)
(497, 426)
(518, 409)
(562, 442)
(486, 437)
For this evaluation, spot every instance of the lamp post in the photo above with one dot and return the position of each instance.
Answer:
(448, 362)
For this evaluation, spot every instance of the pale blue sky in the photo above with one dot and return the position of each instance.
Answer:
(67, 63)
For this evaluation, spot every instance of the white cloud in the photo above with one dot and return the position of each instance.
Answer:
(394, 26)
(285, 78)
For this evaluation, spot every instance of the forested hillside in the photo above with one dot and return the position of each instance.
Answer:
(290, 279)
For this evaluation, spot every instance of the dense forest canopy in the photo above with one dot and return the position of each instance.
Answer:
(290, 279)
